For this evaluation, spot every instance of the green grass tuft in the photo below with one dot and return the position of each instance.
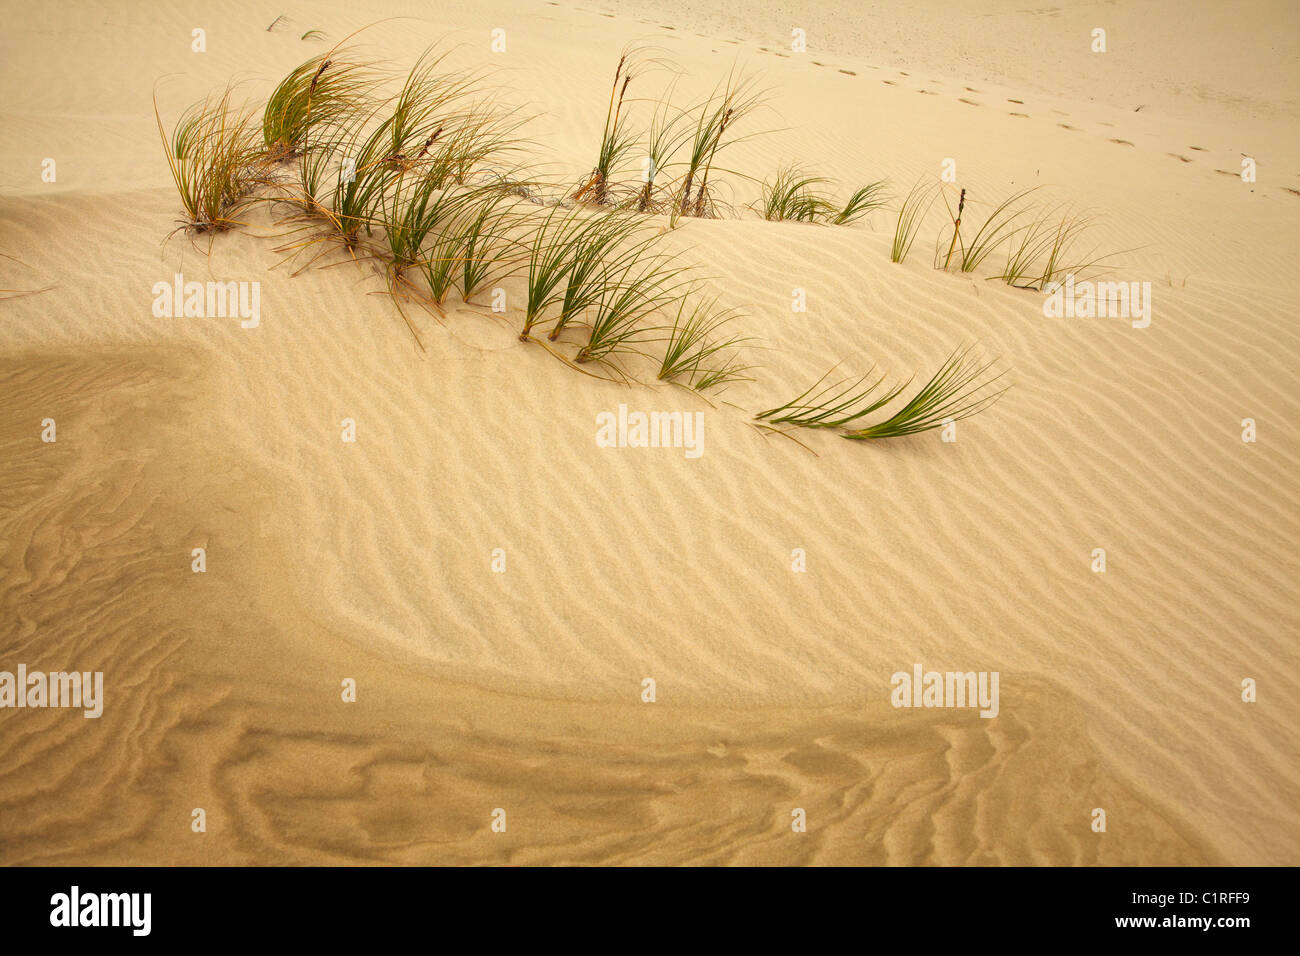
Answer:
(214, 160)
(694, 348)
(957, 391)
(911, 214)
(322, 91)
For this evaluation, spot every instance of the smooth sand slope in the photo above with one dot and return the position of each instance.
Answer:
(479, 690)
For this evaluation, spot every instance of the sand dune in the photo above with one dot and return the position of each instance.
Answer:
(479, 690)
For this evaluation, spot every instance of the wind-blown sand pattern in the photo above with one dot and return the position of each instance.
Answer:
(522, 690)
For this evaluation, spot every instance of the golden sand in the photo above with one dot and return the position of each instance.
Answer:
(476, 690)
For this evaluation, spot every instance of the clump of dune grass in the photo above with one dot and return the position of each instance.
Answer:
(213, 157)
(455, 224)
(318, 92)
(731, 101)
(556, 243)
(792, 196)
(665, 137)
(727, 372)
(695, 354)
(863, 201)
(617, 137)
(831, 405)
(796, 196)
(417, 206)
(958, 390)
(1046, 247)
(592, 260)
(911, 214)
(1024, 255)
(361, 174)
(1056, 246)
(486, 239)
(394, 161)
(619, 316)
(1062, 257)
(479, 139)
(430, 227)
(1002, 224)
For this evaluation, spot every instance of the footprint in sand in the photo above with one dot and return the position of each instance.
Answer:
(1228, 172)
(1178, 157)
(962, 99)
(1122, 142)
(1199, 149)
(928, 92)
(848, 73)
(1022, 115)
(1073, 129)
(1293, 192)
(889, 82)
(1018, 102)
(971, 89)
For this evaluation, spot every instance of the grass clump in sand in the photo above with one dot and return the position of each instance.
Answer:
(731, 101)
(868, 197)
(213, 156)
(602, 276)
(1047, 251)
(1001, 225)
(386, 162)
(563, 238)
(620, 315)
(832, 405)
(465, 240)
(1041, 241)
(792, 196)
(666, 135)
(695, 354)
(485, 241)
(322, 91)
(957, 391)
(617, 138)
(911, 214)
(795, 196)
(592, 260)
